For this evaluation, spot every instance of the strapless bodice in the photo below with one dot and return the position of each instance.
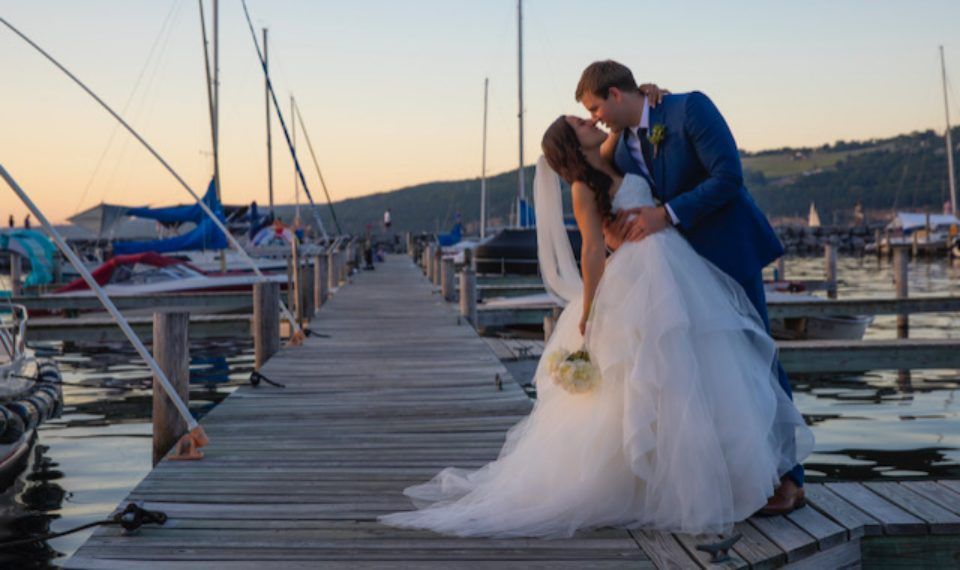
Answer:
(634, 192)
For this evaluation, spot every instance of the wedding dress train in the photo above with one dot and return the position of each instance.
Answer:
(688, 431)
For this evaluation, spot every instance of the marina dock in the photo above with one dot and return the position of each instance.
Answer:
(393, 386)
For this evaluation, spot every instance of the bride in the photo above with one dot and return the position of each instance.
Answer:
(688, 429)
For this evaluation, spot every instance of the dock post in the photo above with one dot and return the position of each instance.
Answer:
(410, 250)
(438, 266)
(16, 271)
(830, 268)
(780, 270)
(172, 352)
(878, 240)
(333, 276)
(468, 292)
(266, 322)
(550, 323)
(307, 294)
(916, 244)
(900, 274)
(428, 262)
(320, 281)
(446, 280)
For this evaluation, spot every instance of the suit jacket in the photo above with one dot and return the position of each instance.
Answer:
(696, 170)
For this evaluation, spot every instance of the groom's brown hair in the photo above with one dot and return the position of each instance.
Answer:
(600, 76)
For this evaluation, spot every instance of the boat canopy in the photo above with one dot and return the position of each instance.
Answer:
(36, 247)
(911, 221)
(103, 273)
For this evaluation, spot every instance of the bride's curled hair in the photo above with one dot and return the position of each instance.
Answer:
(562, 150)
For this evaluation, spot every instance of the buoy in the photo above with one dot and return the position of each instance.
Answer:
(27, 412)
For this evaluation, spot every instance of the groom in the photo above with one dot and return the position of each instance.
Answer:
(685, 150)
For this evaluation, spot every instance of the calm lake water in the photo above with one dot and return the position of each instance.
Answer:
(871, 426)
(86, 462)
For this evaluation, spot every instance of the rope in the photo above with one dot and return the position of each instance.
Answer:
(323, 184)
(256, 378)
(131, 519)
(283, 124)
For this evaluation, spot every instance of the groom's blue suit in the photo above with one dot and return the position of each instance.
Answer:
(696, 171)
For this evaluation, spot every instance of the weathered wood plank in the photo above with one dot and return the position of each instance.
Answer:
(857, 522)
(894, 519)
(940, 520)
(390, 390)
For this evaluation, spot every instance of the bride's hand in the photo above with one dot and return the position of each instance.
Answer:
(654, 94)
(583, 325)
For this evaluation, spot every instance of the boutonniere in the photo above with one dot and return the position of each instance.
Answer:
(656, 136)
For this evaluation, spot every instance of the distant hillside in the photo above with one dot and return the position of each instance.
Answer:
(903, 172)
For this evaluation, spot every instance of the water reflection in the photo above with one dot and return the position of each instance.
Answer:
(86, 462)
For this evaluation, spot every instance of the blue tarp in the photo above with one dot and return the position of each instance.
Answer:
(205, 236)
(179, 214)
(454, 237)
(527, 217)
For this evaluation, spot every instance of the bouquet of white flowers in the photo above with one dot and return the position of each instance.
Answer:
(573, 371)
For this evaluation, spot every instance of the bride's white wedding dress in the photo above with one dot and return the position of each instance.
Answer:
(689, 430)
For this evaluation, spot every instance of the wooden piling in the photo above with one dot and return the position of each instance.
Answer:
(878, 240)
(171, 350)
(437, 265)
(307, 295)
(468, 294)
(266, 322)
(447, 280)
(900, 280)
(830, 268)
(320, 281)
(780, 270)
(333, 271)
(16, 273)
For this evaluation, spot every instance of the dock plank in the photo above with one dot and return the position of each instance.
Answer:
(390, 389)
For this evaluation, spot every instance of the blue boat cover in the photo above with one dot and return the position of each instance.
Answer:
(205, 236)
(179, 214)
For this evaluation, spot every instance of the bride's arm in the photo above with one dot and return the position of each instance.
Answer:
(592, 251)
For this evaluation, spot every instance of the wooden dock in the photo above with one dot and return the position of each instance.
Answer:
(396, 386)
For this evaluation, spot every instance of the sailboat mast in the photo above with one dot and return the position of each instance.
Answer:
(483, 165)
(520, 186)
(948, 138)
(216, 98)
(296, 181)
(266, 89)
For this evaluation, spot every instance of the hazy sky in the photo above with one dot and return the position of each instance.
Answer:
(392, 91)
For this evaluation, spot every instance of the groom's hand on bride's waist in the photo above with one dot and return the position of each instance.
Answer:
(635, 224)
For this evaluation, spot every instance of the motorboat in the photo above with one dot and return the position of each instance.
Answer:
(152, 274)
(819, 327)
(30, 392)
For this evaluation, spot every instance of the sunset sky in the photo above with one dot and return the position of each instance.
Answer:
(392, 91)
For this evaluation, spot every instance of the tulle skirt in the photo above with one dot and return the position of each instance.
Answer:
(689, 430)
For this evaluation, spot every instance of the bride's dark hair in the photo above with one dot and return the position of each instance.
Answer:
(562, 150)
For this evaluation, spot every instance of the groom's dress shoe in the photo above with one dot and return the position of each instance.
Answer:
(787, 498)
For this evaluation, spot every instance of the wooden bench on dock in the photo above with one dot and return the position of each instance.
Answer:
(395, 386)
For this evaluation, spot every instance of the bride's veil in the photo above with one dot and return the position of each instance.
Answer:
(561, 277)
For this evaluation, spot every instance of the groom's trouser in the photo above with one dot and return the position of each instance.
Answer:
(757, 296)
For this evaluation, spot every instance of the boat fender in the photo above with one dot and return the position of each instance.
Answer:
(13, 426)
(49, 372)
(44, 404)
(27, 412)
(56, 397)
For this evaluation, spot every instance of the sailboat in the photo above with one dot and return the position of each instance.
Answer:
(513, 250)
(813, 218)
